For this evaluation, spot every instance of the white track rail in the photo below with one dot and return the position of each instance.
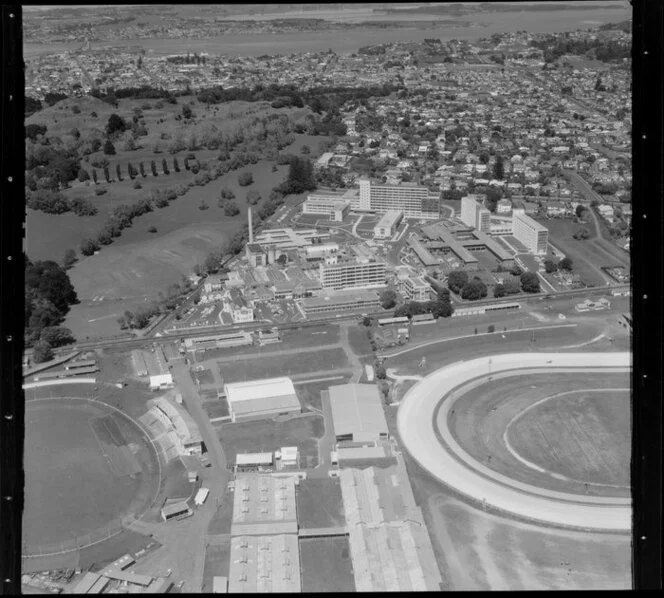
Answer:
(447, 461)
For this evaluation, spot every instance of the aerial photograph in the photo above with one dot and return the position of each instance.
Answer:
(327, 297)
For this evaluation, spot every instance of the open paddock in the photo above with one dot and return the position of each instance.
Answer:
(319, 503)
(270, 435)
(254, 368)
(326, 565)
(309, 392)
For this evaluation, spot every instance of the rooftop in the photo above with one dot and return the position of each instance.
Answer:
(357, 410)
(259, 389)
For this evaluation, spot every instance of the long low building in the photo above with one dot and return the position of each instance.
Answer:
(342, 301)
(264, 564)
(218, 341)
(357, 413)
(332, 206)
(260, 399)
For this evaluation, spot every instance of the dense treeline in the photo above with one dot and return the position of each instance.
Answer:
(48, 296)
(602, 49)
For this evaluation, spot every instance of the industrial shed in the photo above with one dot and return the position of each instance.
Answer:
(357, 413)
(260, 399)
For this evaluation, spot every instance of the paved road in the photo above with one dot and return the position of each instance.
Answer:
(454, 467)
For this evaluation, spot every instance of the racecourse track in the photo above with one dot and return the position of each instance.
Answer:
(426, 405)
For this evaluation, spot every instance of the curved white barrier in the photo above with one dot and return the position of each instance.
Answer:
(41, 383)
(415, 422)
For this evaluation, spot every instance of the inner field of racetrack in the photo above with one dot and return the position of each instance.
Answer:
(573, 426)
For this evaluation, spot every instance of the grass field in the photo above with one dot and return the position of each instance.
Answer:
(284, 365)
(590, 441)
(319, 503)
(71, 490)
(583, 436)
(359, 341)
(268, 435)
(326, 565)
(309, 393)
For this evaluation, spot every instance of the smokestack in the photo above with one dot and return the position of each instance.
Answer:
(251, 229)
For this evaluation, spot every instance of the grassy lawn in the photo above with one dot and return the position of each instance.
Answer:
(268, 435)
(326, 565)
(309, 394)
(217, 563)
(583, 436)
(359, 341)
(315, 336)
(204, 377)
(62, 457)
(319, 503)
(284, 365)
(216, 409)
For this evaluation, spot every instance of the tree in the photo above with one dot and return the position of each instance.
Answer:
(141, 168)
(152, 229)
(109, 148)
(89, 246)
(69, 259)
(530, 282)
(153, 167)
(164, 166)
(550, 266)
(115, 124)
(473, 290)
(580, 209)
(253, 197)
(94, 176)
(83, 175)
(490, 328)
(379, 370)
(456, 280)
(582, 233)
(282, 260)
(516, 270)
(56, 336)
(227, 193)
(231, 209)
(107, 174)
(33, 131)
(176, 165)
(118, 172)
(388, 299)
(499, 169)
(245, 179)
(566, 264)
(187, 112)
(305, 150)
(499, 291)
(41, 352)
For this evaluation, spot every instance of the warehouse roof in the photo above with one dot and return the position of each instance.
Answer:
(340, 297)
(262, 499)
(259, 389)
(357, 410)
(264, 564)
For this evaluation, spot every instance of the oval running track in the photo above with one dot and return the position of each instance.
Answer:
(456, 469)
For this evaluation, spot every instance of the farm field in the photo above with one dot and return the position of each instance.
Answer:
(319, 503)
(72, 493)
(282, 365)
(270, 435)
(326, 565)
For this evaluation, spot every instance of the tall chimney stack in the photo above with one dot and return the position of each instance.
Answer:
(251, 229)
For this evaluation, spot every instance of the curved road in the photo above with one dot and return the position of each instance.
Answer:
(455, 468)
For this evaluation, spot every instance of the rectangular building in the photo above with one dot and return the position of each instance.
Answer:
(334, 207)
(408, 198)
(357, 412)
(263, 505)
(531, 233)
(260, 399)
(474, 214)
(288, 238)
(388, 224)
(389, 542)
(352, 275)
(414, 288)
(157, 367)
(264, 564)
(341, 301)
(218, 341)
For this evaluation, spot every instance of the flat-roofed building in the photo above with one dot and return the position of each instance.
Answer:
(389, 543)
(410, 198)
(341, 301)
(157, 368)
(218, 341)
(352, 275)
(531, 233)
(388, 224)
(332, 206)
(263, 505)
(253, 461)
(422, 252)
(321, 250)
(357, 412)
(176, 510)
(414, 288)
(474, 214)
(260, 399)
(264, 564)
(288, 238)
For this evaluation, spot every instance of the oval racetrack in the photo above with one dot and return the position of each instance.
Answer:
(450, 464)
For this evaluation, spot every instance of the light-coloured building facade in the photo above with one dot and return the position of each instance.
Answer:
(388, 224)
(342, 301)
(414, 288)
(531, 233)
(259, 399)
(408, 198)
(333, 207)
(352, 275)
(474, 214)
